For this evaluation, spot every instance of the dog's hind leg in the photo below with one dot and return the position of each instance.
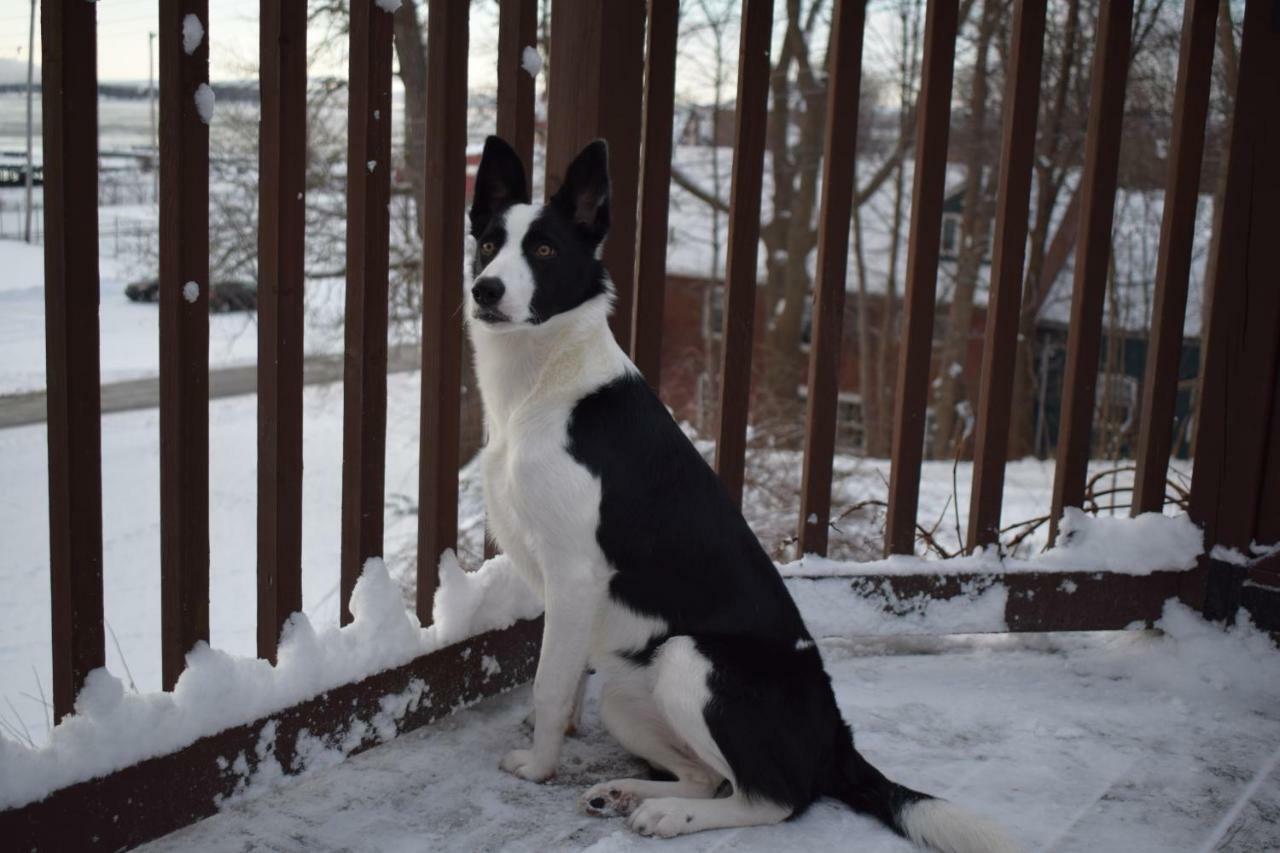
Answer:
(682, 694)
(630, 714)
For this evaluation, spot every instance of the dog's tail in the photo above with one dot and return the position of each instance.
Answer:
(931, 823)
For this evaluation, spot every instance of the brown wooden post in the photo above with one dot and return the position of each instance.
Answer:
(999, 351)
(1093, 253)
(843, 91)
(596, 89)
(1236, 426)
(517, 30)
(655, 181)
(932, 126)
(442, 293)
(744, 243)
(1173, 268)
(185, 112)
(282, 149)
(364, 385)
(69, 97)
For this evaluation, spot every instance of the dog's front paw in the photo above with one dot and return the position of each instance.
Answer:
(663, 818)
(522, 763)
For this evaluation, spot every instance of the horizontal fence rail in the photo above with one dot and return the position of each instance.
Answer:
(613, 76)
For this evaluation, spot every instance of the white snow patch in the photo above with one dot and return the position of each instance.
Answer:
(388, 6)
(204, 102)
(1223, 554)
(372, 164)
(111, 729)
(1132, 546)
(377, 114)
(191, 291)
(489, 665)
(835, 608)
(531, 60)
(192, 34)
(955, 369)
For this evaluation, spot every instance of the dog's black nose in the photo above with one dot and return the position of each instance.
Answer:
(487, 292)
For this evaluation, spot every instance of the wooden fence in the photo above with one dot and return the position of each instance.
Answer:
(612, 75)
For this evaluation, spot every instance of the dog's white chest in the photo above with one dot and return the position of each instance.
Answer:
(536, 493)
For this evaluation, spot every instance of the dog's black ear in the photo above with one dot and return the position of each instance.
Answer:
(500, 183)
(584, 195)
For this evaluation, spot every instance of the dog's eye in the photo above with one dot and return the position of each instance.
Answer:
(544, 251)
(488, 247)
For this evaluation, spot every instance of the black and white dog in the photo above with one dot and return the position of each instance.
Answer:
(648, 571)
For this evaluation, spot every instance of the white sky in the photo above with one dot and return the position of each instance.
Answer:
(123, 27)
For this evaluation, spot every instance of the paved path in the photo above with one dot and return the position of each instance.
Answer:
(30, 408)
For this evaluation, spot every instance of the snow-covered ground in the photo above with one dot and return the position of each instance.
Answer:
(130, 331)
(1133, 742)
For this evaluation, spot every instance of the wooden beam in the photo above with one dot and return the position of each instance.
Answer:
(69, 100)
(1173, 267)
(911, 398)
(281, 306)
(442, 292)
(750, 119)
(596, 90)
(844, 83)
(1004, 303)
(655, 183)
(186, 104)
(517, 32)
(364, 386)
(1241, 368)
(1093, 255)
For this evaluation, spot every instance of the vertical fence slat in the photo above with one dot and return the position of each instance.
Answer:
(364, 385)
(596, 89)
(655, 182)
(442, 252)
(933, 121)
(281, 227)
(1093, 254)
(843, 91)
(744, 242)
(1241, 369)
(517, 30)
(184, 337)
(620, 114)
(1173, 267)
(69, 98)
(999, 351)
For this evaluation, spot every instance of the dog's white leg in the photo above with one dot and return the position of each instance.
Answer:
(668, 816)
(630, 714)
(575, 719)
(574, 600)
(681, 695)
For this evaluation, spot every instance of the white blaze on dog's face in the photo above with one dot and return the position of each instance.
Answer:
(533, 262)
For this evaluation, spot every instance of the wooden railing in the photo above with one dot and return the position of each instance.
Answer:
(604, 82)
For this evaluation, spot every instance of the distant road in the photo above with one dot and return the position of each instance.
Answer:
(31, 407)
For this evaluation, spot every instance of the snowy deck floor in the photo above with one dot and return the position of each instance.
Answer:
(1120, 742)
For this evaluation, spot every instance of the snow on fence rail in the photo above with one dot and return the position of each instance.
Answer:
(607, 81)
